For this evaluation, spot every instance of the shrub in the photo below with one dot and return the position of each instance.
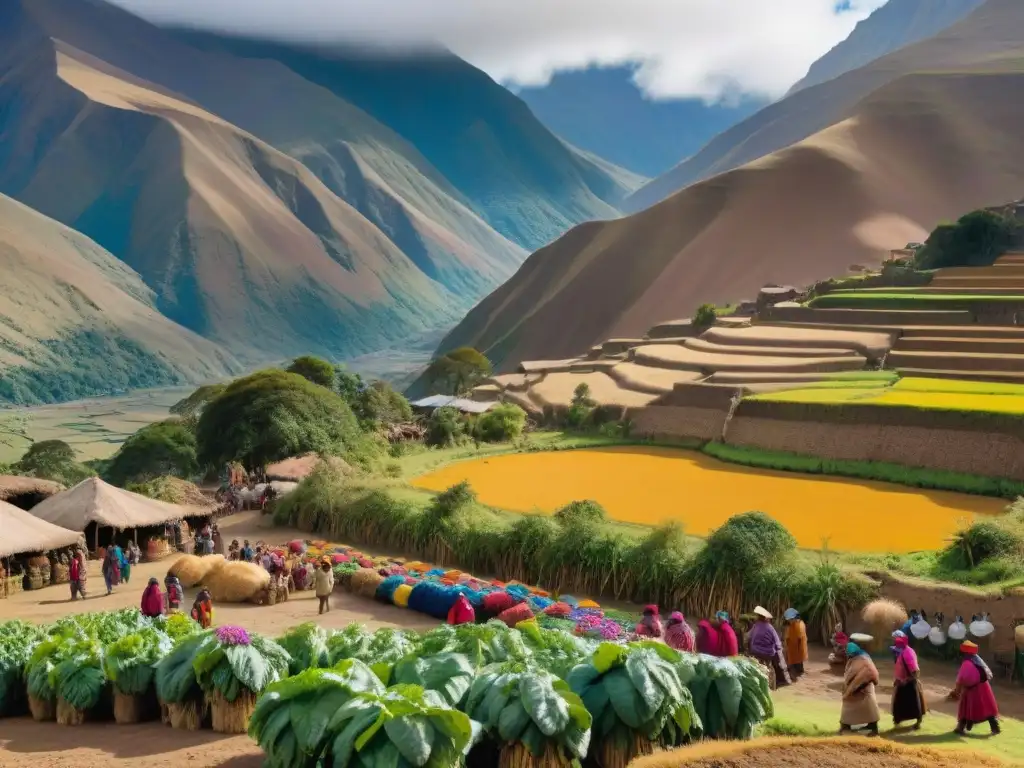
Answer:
(975, 240)
(164, 448)
(271, 415)
(379, 404)
(979, 542)
(313, 369)
(581, 513)
(458, 371)
(502, 423)
(705, 316)
(445, 428)
(189, 408)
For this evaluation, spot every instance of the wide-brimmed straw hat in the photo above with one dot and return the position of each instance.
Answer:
(762, 612)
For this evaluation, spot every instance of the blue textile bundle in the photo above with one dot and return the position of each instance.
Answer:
(476, 599)
(436, 572)
(539, 603)
(386, 589)
(433, 599)
(518, 591)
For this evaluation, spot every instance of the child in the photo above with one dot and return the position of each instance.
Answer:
(175, 594)
(202, 609)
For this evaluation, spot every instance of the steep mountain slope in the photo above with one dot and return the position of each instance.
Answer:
(977, 38)
(894, 25)
(603, 111)
(77, 322)
(521, 178)
(921, 148)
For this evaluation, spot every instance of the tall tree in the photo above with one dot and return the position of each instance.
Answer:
(458, 371)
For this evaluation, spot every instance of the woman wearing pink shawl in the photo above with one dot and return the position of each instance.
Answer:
(650, 623)
(907, 694)
(678, 634)
(973, 690)
(707, 638)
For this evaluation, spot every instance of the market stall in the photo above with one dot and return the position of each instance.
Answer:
(26, 492)
(106, 513)
(33, 552)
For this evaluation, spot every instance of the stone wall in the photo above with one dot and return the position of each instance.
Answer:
(667, 421)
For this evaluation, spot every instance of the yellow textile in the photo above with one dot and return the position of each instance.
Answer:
(796, 642)
(401, 596)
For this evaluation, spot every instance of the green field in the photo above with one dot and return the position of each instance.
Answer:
(880, 300)
(932, 394)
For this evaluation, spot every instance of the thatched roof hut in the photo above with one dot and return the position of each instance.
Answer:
(23, 532)
(93, 501)
(26, 492)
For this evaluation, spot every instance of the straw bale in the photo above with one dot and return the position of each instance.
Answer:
(187, 715)
(231, 716)
(884, 616)
(193, 570)
(235, 582)
(365, 582)
(43, 710)
(67, 714)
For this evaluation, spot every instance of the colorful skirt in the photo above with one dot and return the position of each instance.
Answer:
(908, 702)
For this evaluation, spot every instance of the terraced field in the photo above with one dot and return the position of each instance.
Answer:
(650, 486)
(935, 394)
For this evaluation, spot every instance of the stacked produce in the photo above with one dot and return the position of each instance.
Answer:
(524, 697)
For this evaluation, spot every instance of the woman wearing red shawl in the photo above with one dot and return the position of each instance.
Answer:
(152, 600)
(974, 691)
(717, 637)
(707, 638)
(678, 634)
(650, 624)
(907, 694)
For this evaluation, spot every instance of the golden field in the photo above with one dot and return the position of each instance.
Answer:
(650, 486)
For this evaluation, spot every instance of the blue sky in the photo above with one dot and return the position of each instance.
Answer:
(707, 49)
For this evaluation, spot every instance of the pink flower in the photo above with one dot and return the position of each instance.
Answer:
(232, 635)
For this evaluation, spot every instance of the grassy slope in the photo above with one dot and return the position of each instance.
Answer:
(76, 322)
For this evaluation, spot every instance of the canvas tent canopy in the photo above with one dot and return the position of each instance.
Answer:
(94, 501)
(22, 532)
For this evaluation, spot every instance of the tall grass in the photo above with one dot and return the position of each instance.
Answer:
(915, 477)
(751, 559)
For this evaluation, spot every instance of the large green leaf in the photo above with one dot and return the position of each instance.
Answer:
(627, 702)
(513, 720)
(548, 710)
(413, 736)
(450, 674)
(638, 666)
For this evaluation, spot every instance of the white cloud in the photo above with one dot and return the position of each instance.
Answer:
(684, 48)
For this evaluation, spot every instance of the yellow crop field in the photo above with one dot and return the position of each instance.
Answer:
(653, 485)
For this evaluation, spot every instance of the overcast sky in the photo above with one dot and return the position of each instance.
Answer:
(698, 48)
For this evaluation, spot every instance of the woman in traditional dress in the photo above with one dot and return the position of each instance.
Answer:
(859, 704)
(678, 634)
(907, 694)
(974, 692)
(796, 643)
(152, 600)
(202, 609)
(707, 638)
(766, 647)
(650, 623)
(728, 645)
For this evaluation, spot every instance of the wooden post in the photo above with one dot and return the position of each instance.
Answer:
(96, 539)
(136, 537)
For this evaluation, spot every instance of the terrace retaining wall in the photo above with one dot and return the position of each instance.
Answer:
(669, 421)
(983, 444)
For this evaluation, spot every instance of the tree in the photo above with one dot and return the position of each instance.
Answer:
(458, 371)
(975, 240)
(705, 316)
(581, 406)
(445, 428)
(349, 385)
(314, 369)
(52, 460)
(379, 404)
(504, 421)
(189, 408)
(271, 415)
(164, 448)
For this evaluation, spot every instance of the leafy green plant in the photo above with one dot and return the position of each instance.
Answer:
(405, 727)
(449, 674)
(351, 642)
(637, 700)
(78, 678)
(236, 661)
(307, 646)
(176, 680)
(731, 696)
(526, 708)
(705, 316)
(445, 428)
(502, 423)
(291, 717)
(16, 640)
(481, 644)
(130, 662)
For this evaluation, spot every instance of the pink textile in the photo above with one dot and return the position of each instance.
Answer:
(461, 612)
(707, 638)
(152, 601)
(728, 645)
(977, 700)
(906, 664)
(680, 637)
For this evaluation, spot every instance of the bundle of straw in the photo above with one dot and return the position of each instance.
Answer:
(231, 716)
(187, 715)
(365, 582)
(235, 582)
(128, 709)
(884, 616)
(192, 570)
(67, 714)
(42, 710)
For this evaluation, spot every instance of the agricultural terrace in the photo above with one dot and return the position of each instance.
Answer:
(931, 394)
(652, 486)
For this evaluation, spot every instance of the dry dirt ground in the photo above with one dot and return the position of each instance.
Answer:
(24, 743)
